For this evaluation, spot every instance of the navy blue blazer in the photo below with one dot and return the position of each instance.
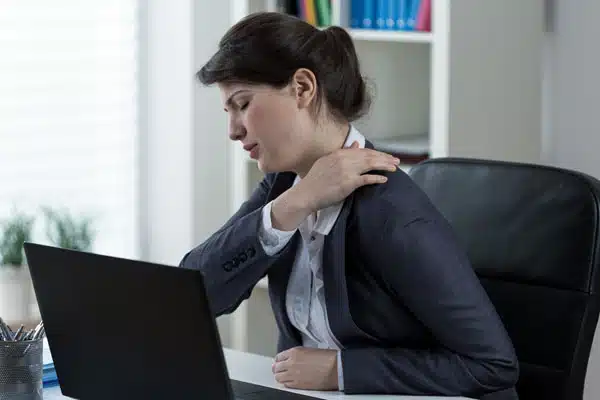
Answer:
(401, 295)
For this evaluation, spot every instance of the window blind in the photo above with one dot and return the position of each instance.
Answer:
(68, 114)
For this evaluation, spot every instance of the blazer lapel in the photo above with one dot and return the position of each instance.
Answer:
(340, 319)
(279, 276)
(280, 271)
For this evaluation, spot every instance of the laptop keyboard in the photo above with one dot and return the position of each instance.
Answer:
(249, 391)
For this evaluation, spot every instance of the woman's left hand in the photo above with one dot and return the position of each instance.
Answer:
(307, 368)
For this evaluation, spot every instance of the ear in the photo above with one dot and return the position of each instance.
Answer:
(304, 85)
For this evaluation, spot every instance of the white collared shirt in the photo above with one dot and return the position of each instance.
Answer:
(305, 301)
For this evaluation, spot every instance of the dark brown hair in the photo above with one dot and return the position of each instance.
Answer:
(268, 48)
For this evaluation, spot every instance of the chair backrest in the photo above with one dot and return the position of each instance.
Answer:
(531, 233)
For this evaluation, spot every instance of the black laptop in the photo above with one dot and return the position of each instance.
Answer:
(125, 329)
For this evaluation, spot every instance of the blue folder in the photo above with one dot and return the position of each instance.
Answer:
(49, 378)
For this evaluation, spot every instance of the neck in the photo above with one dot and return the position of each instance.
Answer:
(329, 138)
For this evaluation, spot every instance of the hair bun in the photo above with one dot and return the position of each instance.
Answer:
(345, 88)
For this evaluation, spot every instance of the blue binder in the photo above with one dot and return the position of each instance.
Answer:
(412, 14)
(355, 14)
(381, 14)
(368, 14)
(403, 8)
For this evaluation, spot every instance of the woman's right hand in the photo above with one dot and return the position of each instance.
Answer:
(331, 179)
(334, 177)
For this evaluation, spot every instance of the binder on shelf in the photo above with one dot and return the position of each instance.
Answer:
(288, 7)
(315, 12)
(381, 14)
(386, 14)
(403, 7)
(391, 14)
(399, 15)
(368, 14)
(356, 14)
(412, 14)
(323, 12)
(301, 10)
(424, 16)
(310, 12)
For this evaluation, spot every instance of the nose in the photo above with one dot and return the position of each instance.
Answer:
(236, 128)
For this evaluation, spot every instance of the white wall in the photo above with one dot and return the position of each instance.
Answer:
(211, 147)
(166, 115)
(572, 107)
(184, 183)
(574, 71)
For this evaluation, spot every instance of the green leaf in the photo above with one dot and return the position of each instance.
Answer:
(15, 231)
(66, 231)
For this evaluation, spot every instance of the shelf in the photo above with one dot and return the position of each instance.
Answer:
(414, 145)
(374, 35)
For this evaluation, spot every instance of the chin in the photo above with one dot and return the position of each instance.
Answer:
(263, 167)
(269, 167)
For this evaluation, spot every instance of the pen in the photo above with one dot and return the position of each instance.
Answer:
(22, 334)
(18, 333)
(39, 331)
(6, 331)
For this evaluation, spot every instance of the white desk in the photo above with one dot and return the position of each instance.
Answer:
(257, 369)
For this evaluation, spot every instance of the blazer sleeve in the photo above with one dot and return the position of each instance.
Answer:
(232, 260)
(428, 272)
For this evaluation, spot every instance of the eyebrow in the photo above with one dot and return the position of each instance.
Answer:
(229, 101)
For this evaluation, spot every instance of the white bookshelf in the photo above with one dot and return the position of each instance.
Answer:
(390, 36)
(471, 87)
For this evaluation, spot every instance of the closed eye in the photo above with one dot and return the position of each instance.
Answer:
(243, 107)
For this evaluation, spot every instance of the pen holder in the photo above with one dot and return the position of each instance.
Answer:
(21, 370)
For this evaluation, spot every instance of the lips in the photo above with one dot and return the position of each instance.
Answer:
(252, 149)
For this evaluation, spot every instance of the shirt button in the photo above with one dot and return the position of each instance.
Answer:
(312, 238)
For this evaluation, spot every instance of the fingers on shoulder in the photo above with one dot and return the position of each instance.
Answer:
(372, 179)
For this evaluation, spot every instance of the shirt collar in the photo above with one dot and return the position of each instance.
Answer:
(354, 135)
(326, 217)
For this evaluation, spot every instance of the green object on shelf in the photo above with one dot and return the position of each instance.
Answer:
(323, 12)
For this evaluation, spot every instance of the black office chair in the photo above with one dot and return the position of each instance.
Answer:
(532, 234)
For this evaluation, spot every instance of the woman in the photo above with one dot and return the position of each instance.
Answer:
(370, 290)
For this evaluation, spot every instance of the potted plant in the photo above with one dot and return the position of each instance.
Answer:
(15, 281)
(66, 231)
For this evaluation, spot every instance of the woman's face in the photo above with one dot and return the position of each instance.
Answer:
(273, 125)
